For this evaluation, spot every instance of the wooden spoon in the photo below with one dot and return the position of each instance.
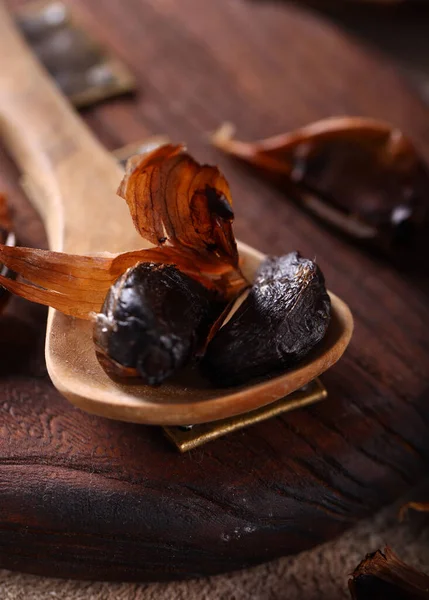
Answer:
(72, 180)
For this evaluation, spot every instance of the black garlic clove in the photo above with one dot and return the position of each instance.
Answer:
(153, 321)
(285, 314)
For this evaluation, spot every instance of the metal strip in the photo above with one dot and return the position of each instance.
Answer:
(188, 438)
(84, 70)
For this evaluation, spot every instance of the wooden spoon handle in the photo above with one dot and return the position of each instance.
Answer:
(71, 177)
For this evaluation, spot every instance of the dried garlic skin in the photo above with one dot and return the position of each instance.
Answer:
(383, 194)
(153, 322)
(182, 207)
(286, 313)
(383, 575)
(362, 177)
(8, 238)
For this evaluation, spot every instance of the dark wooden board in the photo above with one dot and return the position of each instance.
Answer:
(85, 497)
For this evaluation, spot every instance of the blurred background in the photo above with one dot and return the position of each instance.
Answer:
(398, 29)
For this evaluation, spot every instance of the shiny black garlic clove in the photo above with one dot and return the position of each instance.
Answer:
(285, 314)
(153, 321)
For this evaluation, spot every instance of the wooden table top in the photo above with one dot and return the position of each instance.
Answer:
(102, 499)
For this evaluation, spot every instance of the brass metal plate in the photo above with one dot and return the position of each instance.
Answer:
(188, 438)
(84, 70)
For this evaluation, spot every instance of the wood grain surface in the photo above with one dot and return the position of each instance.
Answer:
(85, 497)
(398, 30)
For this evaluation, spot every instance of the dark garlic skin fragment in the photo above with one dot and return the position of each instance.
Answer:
(7, 237)
(153, 321)
(382, 575)
(361, 177)
(373, 193)
(285, 314)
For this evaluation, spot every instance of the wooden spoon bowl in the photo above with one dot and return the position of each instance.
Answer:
(72, 181)
(186, 399)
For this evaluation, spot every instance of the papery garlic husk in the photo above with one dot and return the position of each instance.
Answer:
(361, 176)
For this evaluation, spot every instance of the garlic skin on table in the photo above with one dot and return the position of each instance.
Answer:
(360, 176)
